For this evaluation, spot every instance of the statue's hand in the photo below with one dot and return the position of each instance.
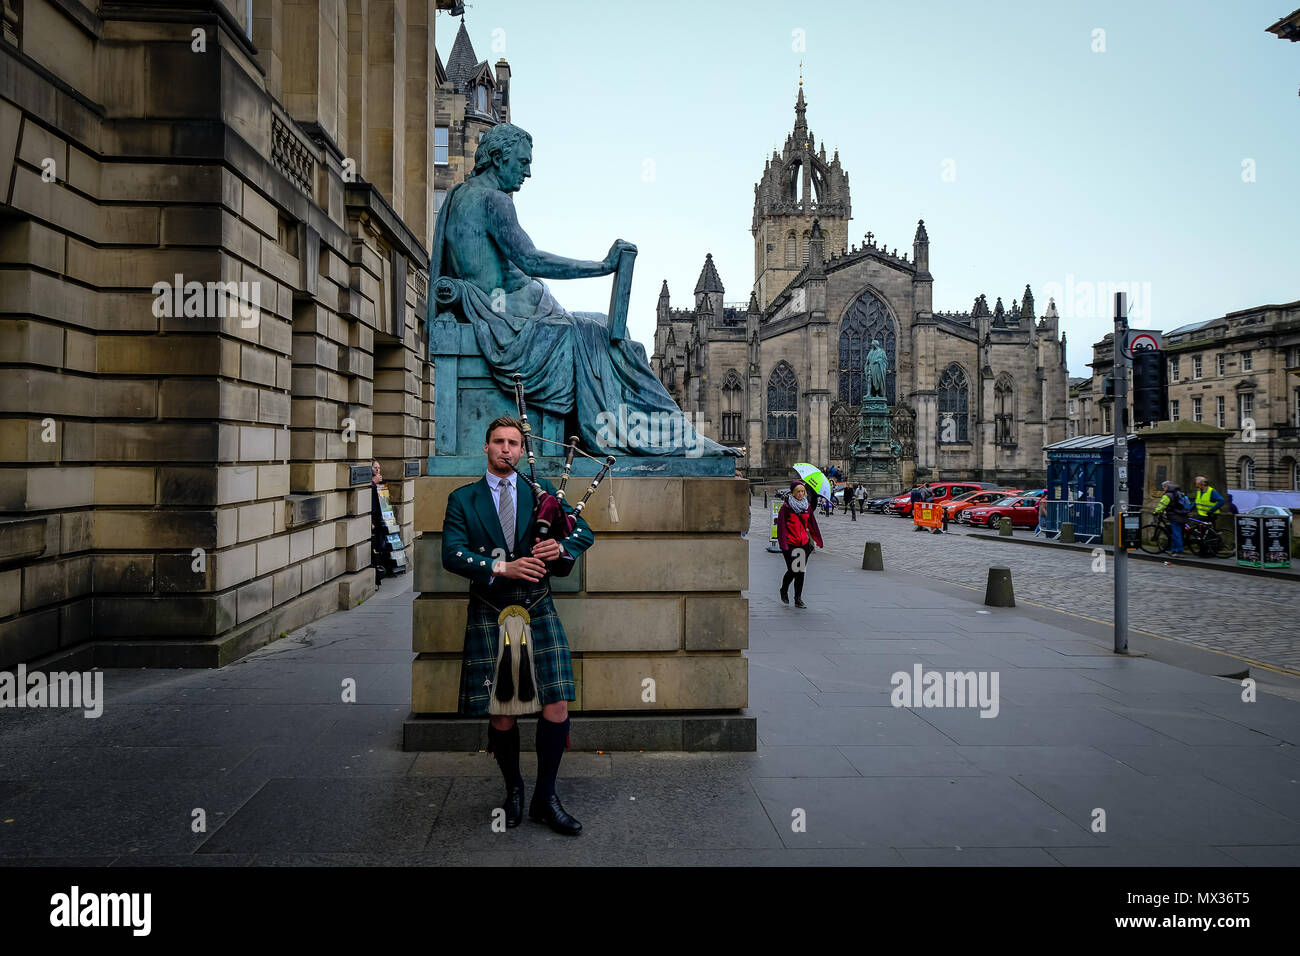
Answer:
(611, 260)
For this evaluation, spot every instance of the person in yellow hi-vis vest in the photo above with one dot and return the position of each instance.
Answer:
(1208, 501)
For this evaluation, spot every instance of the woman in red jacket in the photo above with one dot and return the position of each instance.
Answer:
(796, 530)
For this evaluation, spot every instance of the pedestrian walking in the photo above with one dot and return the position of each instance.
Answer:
(1176, 506)
(1042, 514)
(796, 532)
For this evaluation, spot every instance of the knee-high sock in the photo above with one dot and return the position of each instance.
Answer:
(550, 748)
(505, 744)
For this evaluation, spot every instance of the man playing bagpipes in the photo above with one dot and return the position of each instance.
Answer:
(516, 658)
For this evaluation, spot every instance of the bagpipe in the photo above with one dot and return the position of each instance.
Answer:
(552, 521)
(514, 692)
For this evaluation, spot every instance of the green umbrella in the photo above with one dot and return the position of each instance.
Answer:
(814, 479)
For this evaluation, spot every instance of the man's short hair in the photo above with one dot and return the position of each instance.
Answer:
(1203, 478)
(505, 421)
(1166, 484)
(497, 141)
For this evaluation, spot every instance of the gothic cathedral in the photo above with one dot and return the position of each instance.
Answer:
(971, 395)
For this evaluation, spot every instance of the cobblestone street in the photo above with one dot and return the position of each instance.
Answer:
(1240, 614)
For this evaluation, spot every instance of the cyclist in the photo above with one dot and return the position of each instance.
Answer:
(1172, 502)
(1208, 501)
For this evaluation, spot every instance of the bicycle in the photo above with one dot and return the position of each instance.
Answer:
(1201, 536)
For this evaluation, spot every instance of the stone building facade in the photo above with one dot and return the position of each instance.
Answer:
(1242, 372)
(470, 99)
(974, 394)
(1239, 369)
(214, 227)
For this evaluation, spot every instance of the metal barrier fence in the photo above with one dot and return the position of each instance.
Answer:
(1086, 516)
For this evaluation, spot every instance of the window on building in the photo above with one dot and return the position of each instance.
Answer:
(1219, 359)
(1246, 473)
(954, 406)
(1107, 426)
(791, 250)
(1220, 414)
(782, 403)
(1293, 360)
(1173, 410)
(439, 197)
(441, 145)
(1071, 406)
(1173, 370)
(1296, 409)
(1245, 407)
(731, 413)
(806, 240)
(1291, 473)
(866, 320)
(1004, 424)
(1070, 429)
(1196, 366)
(1196, 409)
(481, 98)
(1247, 360)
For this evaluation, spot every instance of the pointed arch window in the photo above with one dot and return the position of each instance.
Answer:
(1004, 401)
(803, 242)
(954, 404)
(791, 250)
(732, 396)
(782, 403)
(866, 318)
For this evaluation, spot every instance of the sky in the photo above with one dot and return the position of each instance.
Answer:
(1082, 148)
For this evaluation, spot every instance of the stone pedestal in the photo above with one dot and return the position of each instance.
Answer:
(873, 462)
(653, 611)
(1178, 452)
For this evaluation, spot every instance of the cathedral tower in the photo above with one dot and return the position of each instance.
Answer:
(798, 186)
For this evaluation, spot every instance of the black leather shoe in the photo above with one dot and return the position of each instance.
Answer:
(514, 807)
(798, 603)
(553, 815)
(785, 598)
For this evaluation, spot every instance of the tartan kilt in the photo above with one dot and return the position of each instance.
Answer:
(553, 673)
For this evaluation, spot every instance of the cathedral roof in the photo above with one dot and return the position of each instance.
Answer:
(708, 281)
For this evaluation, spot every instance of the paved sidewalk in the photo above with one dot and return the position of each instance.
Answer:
(286, 773)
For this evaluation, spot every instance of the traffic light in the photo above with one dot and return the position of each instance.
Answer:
(1150, 390)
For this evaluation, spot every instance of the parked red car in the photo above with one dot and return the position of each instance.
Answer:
(958, 508)
(1021, 509)
(942, 490)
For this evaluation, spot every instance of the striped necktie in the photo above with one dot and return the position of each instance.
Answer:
(506, 512)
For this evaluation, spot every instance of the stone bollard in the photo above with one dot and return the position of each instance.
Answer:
(1004, 527)
(1108, 531)
(998, 592)
(872, 559)
(1067, 532)
(765, 499)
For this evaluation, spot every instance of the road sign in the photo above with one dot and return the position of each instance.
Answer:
(1144, 340)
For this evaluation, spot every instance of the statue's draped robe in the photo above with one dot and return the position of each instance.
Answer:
(568, 362)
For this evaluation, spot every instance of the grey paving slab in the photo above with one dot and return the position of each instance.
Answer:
(1265, 855)
(114, 817)
(1023, 725)
(978, 856)
(856, 857)
(1163, 811)
(93, 764)
(684, 810)
(1194, 726)
(330, 759)
(1171, 856)
(852, 726)
(918, 811)
(1063, 759)
(333, 815)
(911, 761)
(573, 764)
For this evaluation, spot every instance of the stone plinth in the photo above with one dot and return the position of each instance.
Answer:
(654, 613)
(1178, 452)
